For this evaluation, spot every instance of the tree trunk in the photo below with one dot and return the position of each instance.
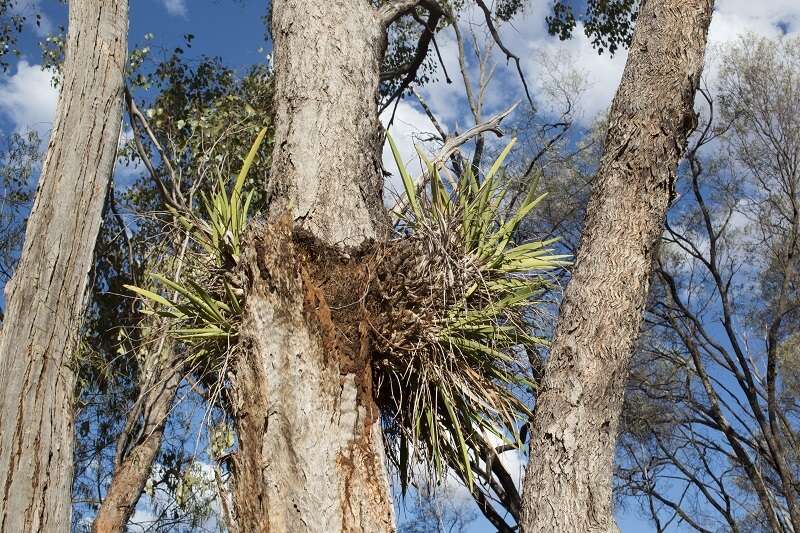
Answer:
(311, 453)
(136, 453)
(326, 166)
(568, 481)
(46, 297)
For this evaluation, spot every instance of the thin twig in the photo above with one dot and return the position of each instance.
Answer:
(174, 198)
(487, 13)
(425, 38)
(455, 157)
(112, 204)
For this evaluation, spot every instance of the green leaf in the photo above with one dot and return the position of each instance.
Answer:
(248, 162)
(203, 308)
(408, 183)
(403, 464)
(462, 445)
(499, 161)
(150, 295)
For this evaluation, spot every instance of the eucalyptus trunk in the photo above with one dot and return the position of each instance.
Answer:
(311, 455)
(46, 297)
(568, 481)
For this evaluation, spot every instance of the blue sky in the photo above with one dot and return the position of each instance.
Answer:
(234, 31)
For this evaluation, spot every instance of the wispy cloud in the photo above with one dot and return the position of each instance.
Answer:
(528, 38)
(176, 7)
(409, 127)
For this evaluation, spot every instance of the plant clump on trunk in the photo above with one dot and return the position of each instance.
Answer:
(432, 322)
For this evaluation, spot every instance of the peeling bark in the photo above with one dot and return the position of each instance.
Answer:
(46, 298)
(310, 446)
(311, 452)
(568, 481)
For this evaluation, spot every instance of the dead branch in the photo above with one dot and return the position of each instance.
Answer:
(450, 147)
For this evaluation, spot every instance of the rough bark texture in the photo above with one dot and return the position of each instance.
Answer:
(46, 297)
(310, 453)
(568, 481)
(326, 166)
(137, 452)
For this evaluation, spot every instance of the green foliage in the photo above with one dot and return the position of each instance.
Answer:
(53, 47)
(19, 157)
(608, 23)
(10, 25)
(505, 10)
(206, 314)
(206, 118)
(463, 378)
(402, 48)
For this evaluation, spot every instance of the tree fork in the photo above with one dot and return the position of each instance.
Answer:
(135, 465)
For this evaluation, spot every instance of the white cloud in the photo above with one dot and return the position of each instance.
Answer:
(448, 100)
(768, 19)
(410, 127)
(28, 99)
(513, 460)
(176, 7)
(528, 38)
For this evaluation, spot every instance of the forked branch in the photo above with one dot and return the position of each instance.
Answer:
(487, 14)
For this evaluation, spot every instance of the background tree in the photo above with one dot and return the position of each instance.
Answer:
(120, 361)
(575, 423)
(438, 509)
(712, 438)
(132, 368)
(18, 162)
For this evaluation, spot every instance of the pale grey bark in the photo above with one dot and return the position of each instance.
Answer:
(310, 453)
(45, 299)
(326, 166)
(568, 481)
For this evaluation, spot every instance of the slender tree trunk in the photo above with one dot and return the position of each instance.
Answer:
(46, 297)
(160, 374)
(310, 453)
(137, 452)
(568, 481)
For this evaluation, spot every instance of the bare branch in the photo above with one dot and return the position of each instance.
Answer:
(487, 13)
(455, 157)
(172, 197)
(391, 11)
(451, 145)
(425, 38)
